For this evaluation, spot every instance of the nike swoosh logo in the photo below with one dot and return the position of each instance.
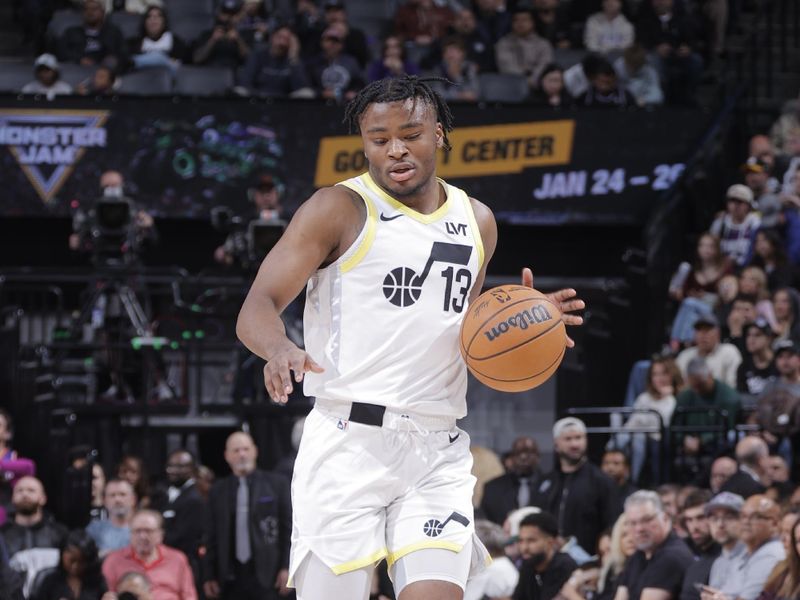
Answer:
(385, 218)
(453, 438)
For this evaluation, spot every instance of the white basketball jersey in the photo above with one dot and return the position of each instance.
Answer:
(383, 319)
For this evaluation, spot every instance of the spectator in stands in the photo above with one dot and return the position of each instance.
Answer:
(130, 6)
(664, 380)
(460, 73)
(545, 570)
(786, 128)
(135, 584)
(722, 469)
(46, 78)
(656, 569)
(741, 313)
(355, 42)
(550, 90)
(500, 578)
(102, 83)
(308, 24)
(668, 494)
(621, 548)
(277, 71)
(552, 23)
(31, 526)
(334, 74)
(254, 23)
(605, 91)
(759, 532)
(12, 466)
(784, 581)
(115, 532)
(494, 18)
(205, 479)
(671, 41)
(761, 148)
(778, 408)
(736, 227)
(708, 392)
(183, 509)
(769, 254)
(244, 559)
(421, 22)
(95, 42)
(157, 45)
(223, 45)
(581, 497)
(639, 77)
(700, 542)
(750, 479)
(393, 61)
(97, 509)
(786, 303)
(608, 30)
(757, 362)
(777, 469)
(78, 572)
(723, 359)
(757, 176)
(515, 488)
(696, 287)
(131, 468)
(522, 51)
(166, 568)
(477, 41)
(722, 512)
(615, 464)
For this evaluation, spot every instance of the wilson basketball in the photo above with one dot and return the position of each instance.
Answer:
(513, 338)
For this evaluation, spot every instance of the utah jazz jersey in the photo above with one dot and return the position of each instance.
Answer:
(383, 319)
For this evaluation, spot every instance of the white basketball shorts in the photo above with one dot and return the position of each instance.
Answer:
(361, 493)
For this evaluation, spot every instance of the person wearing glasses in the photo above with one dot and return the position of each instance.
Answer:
(656, 569)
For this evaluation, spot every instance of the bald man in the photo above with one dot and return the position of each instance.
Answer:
(722, 469)
(752, 454)
(31, 526)
(249, 528)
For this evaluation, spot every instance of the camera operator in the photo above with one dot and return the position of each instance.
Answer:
(265, 196)
(123, 237)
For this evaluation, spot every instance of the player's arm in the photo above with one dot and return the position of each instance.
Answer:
(317, 234)
(488, 229)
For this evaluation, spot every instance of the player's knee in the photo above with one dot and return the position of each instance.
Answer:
(431, 590)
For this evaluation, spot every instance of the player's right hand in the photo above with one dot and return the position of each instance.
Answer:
(277, 376)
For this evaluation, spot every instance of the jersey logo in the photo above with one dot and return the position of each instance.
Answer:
(403, 287)
(453, 438)
(456, 228)
(434, 527)
(392, 218)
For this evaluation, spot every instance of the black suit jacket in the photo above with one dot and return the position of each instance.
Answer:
(743, 484)
(270, 527)
(500, 496)
(185, 522)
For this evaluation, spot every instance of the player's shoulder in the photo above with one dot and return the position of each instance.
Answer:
(481, 211)
(332, 204)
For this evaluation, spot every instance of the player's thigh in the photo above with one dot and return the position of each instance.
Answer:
(315, 581)
(432, 573)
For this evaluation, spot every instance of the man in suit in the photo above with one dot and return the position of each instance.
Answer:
(513, 490)
(183, 508)
(752, 454)
(249, 529)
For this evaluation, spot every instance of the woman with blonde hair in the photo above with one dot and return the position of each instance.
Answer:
(753, 283)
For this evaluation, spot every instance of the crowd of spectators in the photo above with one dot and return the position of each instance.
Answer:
(597, 53)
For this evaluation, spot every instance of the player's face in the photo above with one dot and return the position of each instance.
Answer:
(400, 143)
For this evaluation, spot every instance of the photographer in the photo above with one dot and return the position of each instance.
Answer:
(223, 46)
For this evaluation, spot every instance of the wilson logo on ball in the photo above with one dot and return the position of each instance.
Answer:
(523, 319)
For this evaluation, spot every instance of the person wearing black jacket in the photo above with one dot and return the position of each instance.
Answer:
(95, 42)
(250, 563)
(31, 527)
(514, 489)
(545, 570)
(583, 499)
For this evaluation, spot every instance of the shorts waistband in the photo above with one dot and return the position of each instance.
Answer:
(381, 416)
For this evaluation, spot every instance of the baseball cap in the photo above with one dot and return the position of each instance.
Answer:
(706, 321)
(761, 324)
(740, 192)
(726, 500)
(563, 425)
(48, 61)
(784, 346)
(755, 165)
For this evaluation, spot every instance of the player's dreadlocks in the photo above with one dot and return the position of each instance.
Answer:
(397, 90)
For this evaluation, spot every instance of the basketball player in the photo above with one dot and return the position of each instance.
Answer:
(391, 259)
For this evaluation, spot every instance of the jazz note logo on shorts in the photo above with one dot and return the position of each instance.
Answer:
(434, 527)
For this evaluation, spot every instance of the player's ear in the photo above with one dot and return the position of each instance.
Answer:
(439, 135)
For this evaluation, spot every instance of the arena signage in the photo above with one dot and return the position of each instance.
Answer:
(47, 144)
(476, 151)
(181, 158)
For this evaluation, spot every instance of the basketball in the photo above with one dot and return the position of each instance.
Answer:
(513, 338)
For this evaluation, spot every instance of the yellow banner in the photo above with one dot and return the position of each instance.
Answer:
(483, 150)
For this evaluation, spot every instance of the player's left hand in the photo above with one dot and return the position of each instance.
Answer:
(564, 299)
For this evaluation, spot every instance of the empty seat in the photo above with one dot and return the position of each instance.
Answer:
(129, 24)
(14, 75)
(203, 81)
(63, 20)
(189, 28)
(503, 87)
(150, 82)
